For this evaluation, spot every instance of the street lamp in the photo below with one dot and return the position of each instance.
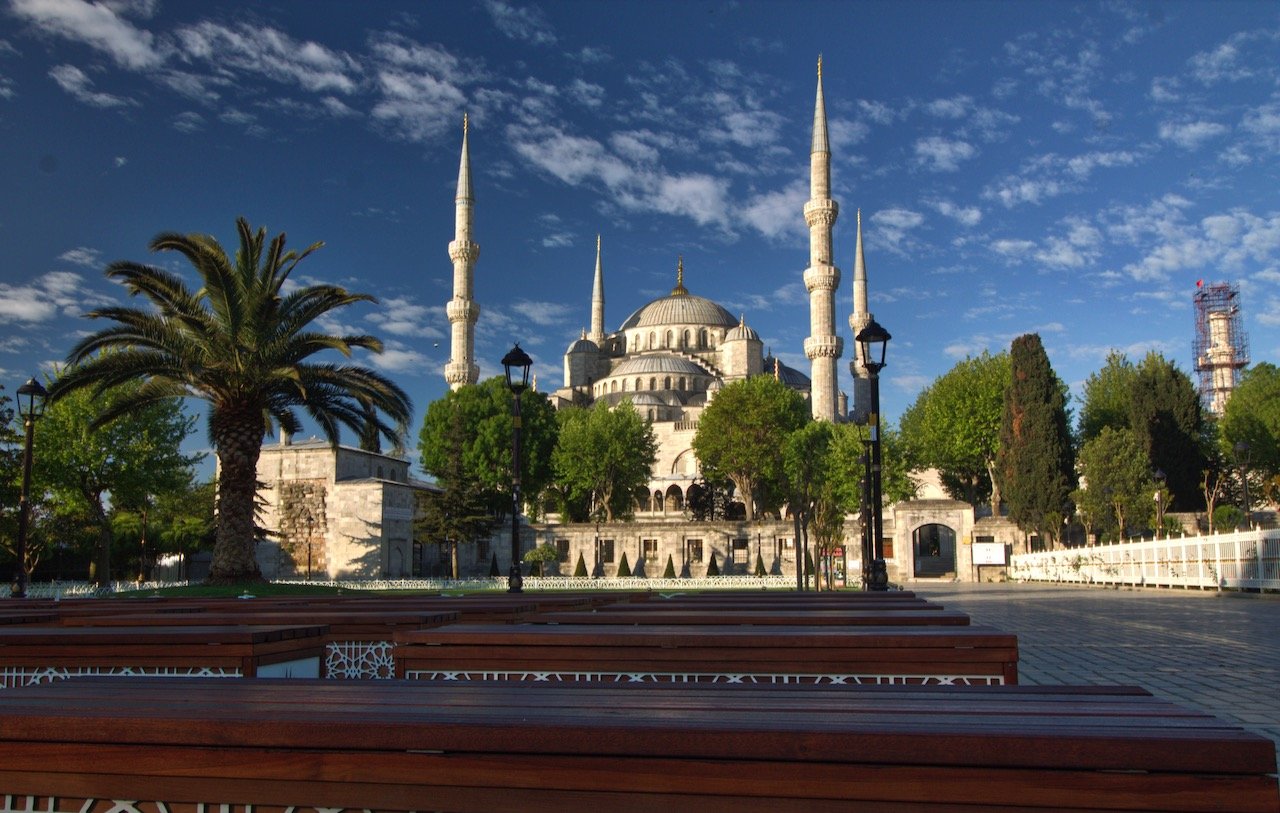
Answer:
(31, 397)
(874, 341)
(516, 361)
(1241, 450)
(1160, 480)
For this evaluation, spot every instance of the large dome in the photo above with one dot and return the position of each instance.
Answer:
(681, 309)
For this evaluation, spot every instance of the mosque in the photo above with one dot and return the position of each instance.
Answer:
(671, 355)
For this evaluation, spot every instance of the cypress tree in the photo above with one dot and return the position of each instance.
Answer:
(670, 572)
(624, 567)
(1166, 417)
(713, 569)
(580, 570)
(760, 571)
(1036, 459)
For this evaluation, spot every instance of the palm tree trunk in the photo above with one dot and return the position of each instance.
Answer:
(238, 444)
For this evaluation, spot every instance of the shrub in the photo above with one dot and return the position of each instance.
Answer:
(760, 571)
(581, 569)
(493, 566)
(670, 572)
(713, 569)
(624, 568)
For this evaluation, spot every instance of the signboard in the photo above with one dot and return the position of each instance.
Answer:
(989, 553)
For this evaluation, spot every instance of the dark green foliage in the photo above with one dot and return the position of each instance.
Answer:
(460, 513)
(1120, 489)
(580, 570)
(603, 455)
(546, 552)
(808, 563)
(1106, 397)
(1165, 415)
(670, 572)
(1035, 462)
(1228, 517)
(1252, 416)
(760, 571)
(493, 566)
(713, 569)
(624, 567)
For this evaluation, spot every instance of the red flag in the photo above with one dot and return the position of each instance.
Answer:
(1199, 283)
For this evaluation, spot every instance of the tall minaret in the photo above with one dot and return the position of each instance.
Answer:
(860, 318)
(462, 309)
(821, 278)
(597, 302)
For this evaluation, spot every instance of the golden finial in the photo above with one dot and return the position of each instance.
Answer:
(679, 290)
(819, 66)
(466, 123)
(584, 333)
(742, 319)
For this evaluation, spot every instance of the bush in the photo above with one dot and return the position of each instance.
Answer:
(581, 569)
(493, 566)
(760, 571)
(670, 572)
(713, 569)
(624, 568)
(1227, 518)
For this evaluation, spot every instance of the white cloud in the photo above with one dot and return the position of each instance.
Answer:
(75, 82)
(954, 108)
(965, 215)
(269, 52)
(773, 214)
(188, 122)
(55, 292)
(399, 358)
(878, 112)
(894, 225)
(544, 314)
(1191, 134)
(1013, 249)
(845, 134)
(88, 257)
(586, 93)
(526, 23)
(402, 316)
(97, 25)
(943, 155)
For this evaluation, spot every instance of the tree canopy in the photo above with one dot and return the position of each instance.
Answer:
(1166, 417)
(484, 410)
(740, 436)
(604, 456)
(244, 342)
(1119, 488)
(954, 426)
(1252, 416)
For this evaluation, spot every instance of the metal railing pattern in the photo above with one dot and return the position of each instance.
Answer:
(1241, 560)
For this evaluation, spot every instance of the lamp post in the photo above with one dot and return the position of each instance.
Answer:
(517, 361)
(874, 340)
(1160, 481)
(864, 517)
(31, 397)
(1241, 450)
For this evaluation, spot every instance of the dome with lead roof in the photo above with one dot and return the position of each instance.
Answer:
(680, 308)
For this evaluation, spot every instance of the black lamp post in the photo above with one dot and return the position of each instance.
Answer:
(31, 397)
(517, 362)
(874, 340)
(1241, 450)
(1160, 478)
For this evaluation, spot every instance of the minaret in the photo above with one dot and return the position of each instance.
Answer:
(821, 278)
(860, 318)
(462, 309)
(597, 302)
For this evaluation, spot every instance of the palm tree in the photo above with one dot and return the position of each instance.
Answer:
(242, 344)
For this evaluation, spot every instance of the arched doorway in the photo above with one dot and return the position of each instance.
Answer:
(934, 548)
(674, 502)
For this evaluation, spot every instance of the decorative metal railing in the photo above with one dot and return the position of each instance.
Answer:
(1242, 560)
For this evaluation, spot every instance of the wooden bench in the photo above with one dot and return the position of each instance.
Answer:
(666, 614)
(33, 654)
(539, 748)
(709, 653)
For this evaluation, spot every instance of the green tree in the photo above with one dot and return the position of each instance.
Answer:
(460, 512)
(604, 454)
(122, 464)
(242, 342)
(1252, 416)
(1166, 417)
(954, 427)
(740, 433)
(805, 454)
(1106, 397)
(485, 412)
(1118, 481)
(1036, 463)
(546, 552)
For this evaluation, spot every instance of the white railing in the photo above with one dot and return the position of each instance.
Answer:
(1242, 560)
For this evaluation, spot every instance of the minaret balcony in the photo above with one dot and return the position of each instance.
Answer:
(821, 278)
(464, 251)
(462, 310)
(830, 347)
(821, 211)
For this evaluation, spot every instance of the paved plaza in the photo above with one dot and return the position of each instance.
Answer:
(1219, 653)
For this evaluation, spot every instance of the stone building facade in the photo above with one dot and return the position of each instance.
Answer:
(335, 512)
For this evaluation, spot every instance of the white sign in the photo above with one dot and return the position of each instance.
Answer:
(989, 553)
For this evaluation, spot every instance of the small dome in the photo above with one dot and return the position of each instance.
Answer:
(645, 399)
(584, 345)
(790, 376)
(742, 332)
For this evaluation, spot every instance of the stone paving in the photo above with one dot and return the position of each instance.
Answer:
(1214, 652)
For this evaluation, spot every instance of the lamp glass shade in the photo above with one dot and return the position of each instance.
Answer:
(31, 396)
(874, 340)
(516, 365)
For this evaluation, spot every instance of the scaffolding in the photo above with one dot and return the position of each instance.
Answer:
(1221, 347)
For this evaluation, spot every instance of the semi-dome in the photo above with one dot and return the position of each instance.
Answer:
(583, 345)
(657, 363)
(742, 332)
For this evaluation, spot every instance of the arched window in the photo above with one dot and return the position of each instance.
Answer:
(684, 340)
(624, 385)
(651, 418)
(681, 384)
(613, 386)
(666, 340)
(639, 384)
(702, 338)
(653, 383)
(637, 345)
(653, 340)
(666, 383)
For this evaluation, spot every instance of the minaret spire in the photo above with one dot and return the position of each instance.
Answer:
(823, 347)
(597, 301)
(858, 319)
(680, 290)
(462, 309)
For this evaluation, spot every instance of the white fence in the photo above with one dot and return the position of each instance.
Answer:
(1243, 560)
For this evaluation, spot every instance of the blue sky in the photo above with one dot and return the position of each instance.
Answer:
(1065, 168)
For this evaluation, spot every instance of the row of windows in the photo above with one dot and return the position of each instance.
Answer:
(681, 340)
(653, 384)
